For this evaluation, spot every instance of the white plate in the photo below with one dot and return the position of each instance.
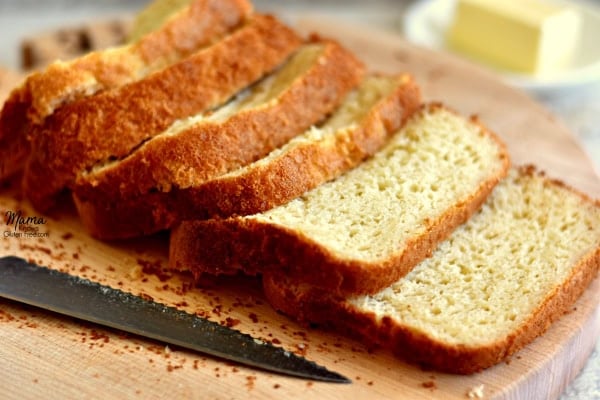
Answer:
(425, 23)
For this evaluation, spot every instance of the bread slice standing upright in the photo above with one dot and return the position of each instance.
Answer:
(111, 124)
(367, 116)
(496, 284)
(193, 27)
(372, 225)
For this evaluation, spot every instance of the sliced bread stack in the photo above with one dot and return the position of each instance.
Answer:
(186, 174)
(366, 229)
(195, 26)
(496, 284)
(111, 124)
(382, 253)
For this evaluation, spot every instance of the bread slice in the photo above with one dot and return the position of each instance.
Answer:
(111, 124)
(196, 26)
(366, 118)
(496, 284)
(366, 229)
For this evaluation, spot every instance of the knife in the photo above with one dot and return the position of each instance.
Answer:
(83, 299)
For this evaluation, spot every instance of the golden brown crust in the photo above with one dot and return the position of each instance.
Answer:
(111, 124)
(199, 24)
(310, 305)
(165, 176)
(230, 245)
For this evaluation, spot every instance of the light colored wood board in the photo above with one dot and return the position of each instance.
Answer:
(42, 353)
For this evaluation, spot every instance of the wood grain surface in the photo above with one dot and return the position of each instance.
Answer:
(43, 355)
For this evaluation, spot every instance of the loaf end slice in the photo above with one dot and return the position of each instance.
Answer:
(364, 230)
(497, 283)
(367, 116)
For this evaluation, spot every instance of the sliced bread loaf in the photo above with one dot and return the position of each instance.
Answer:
(299, 94)
(372, 225)
(111, 124)
(199, 24)
(496, 284)
(363, 122)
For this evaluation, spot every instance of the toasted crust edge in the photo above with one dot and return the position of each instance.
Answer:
(230, 245)
(307, 304)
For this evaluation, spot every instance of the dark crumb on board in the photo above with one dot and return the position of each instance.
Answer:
(146, 296)
(43, 249)
(67, 236)
(429, 385)
(171, 367)
(250, 379)
(95, 335)
(276, 386)
(154, 268)
(231, 322)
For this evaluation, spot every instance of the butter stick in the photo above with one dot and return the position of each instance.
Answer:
(524, 36)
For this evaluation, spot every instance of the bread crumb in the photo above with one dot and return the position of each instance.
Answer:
(429, 385)
(476, 392)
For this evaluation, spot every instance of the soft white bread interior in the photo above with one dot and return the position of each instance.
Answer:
(365, 229)
(497, 283)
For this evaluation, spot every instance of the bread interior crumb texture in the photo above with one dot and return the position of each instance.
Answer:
(371, 211)
(495, 270)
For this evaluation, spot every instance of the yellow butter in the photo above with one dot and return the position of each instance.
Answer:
(525, 36)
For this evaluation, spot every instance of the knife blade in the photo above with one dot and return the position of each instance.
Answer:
(87, 300)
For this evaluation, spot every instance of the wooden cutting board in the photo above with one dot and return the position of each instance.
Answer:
(45, 355)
